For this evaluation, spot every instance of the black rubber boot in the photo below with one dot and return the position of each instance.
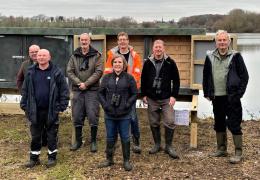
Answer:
(78, 143)
(51, 163)
(51, 160)
(168, 143)
(136, 145)
(34, 161)
(221, 145)
(126, 155)
(157, 140)
(93, 146)
(109, 155)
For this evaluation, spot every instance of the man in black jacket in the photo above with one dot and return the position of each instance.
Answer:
(45, 93)
(225, 79)
(160, 85)
(32, 59)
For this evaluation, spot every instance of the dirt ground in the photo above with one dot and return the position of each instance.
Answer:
(193, 163)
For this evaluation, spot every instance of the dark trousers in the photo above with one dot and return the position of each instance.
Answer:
(227, 114)
(115, 126)
(134, 122)
(37, 130)
(85, 104)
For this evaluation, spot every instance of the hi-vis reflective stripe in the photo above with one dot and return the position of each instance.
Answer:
(108, 69)
(137, 70)
(36, 152)
(51, 152)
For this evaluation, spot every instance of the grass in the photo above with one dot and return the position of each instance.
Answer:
(82, 164)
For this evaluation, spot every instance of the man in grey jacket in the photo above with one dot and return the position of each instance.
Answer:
(84, 70)
(225, 79)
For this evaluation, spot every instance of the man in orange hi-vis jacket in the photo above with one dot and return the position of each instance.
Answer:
(134, 68)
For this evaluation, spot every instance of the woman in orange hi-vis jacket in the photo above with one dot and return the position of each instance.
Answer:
(134, 68)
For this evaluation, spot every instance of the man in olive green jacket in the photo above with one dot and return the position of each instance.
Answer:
(84, 70)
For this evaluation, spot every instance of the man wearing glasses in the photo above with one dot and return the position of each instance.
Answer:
(33, 50)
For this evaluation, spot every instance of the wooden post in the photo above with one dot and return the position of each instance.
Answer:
(73, 134)
(73, 131)
(194, 132)
(194, 125)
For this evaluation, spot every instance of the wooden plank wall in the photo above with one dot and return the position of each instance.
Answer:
(178, 47)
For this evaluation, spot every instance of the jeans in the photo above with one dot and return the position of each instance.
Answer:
(115, 126)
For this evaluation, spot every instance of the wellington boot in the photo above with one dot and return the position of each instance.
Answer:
(51, 163)
(238, 150)
(32, 163)
(221, 145)
(168, 143)
(78, 143)
(126, 155)
(136, 145)
(93, 145)
(109, 155)
(157, 140)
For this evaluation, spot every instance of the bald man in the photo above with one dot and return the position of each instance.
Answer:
(33, 50)
(32, 58)
(84, 70)
(45, 93)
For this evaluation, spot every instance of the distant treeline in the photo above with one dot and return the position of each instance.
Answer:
(237, 21)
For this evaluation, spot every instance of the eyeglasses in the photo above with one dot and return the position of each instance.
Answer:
(122, 39)
(33, 52)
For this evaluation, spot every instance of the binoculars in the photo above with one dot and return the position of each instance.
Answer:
(115, 101)
(157, 82)
(84, 65)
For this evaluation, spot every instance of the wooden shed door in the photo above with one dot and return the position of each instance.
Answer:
(11, 57)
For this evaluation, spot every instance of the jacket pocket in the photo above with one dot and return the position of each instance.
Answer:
(233, 81)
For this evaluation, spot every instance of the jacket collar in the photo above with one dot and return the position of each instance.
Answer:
(120, 75)
(116, 49)
(216, 53)
(92, 52)
(151, 57)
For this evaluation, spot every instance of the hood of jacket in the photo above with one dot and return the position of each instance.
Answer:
(116, 49)
(92, 52)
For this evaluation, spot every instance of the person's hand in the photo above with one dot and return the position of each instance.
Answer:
(172, 101)
(82, 86)
(145, 99)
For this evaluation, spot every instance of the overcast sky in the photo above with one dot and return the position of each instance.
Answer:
(140, 10)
